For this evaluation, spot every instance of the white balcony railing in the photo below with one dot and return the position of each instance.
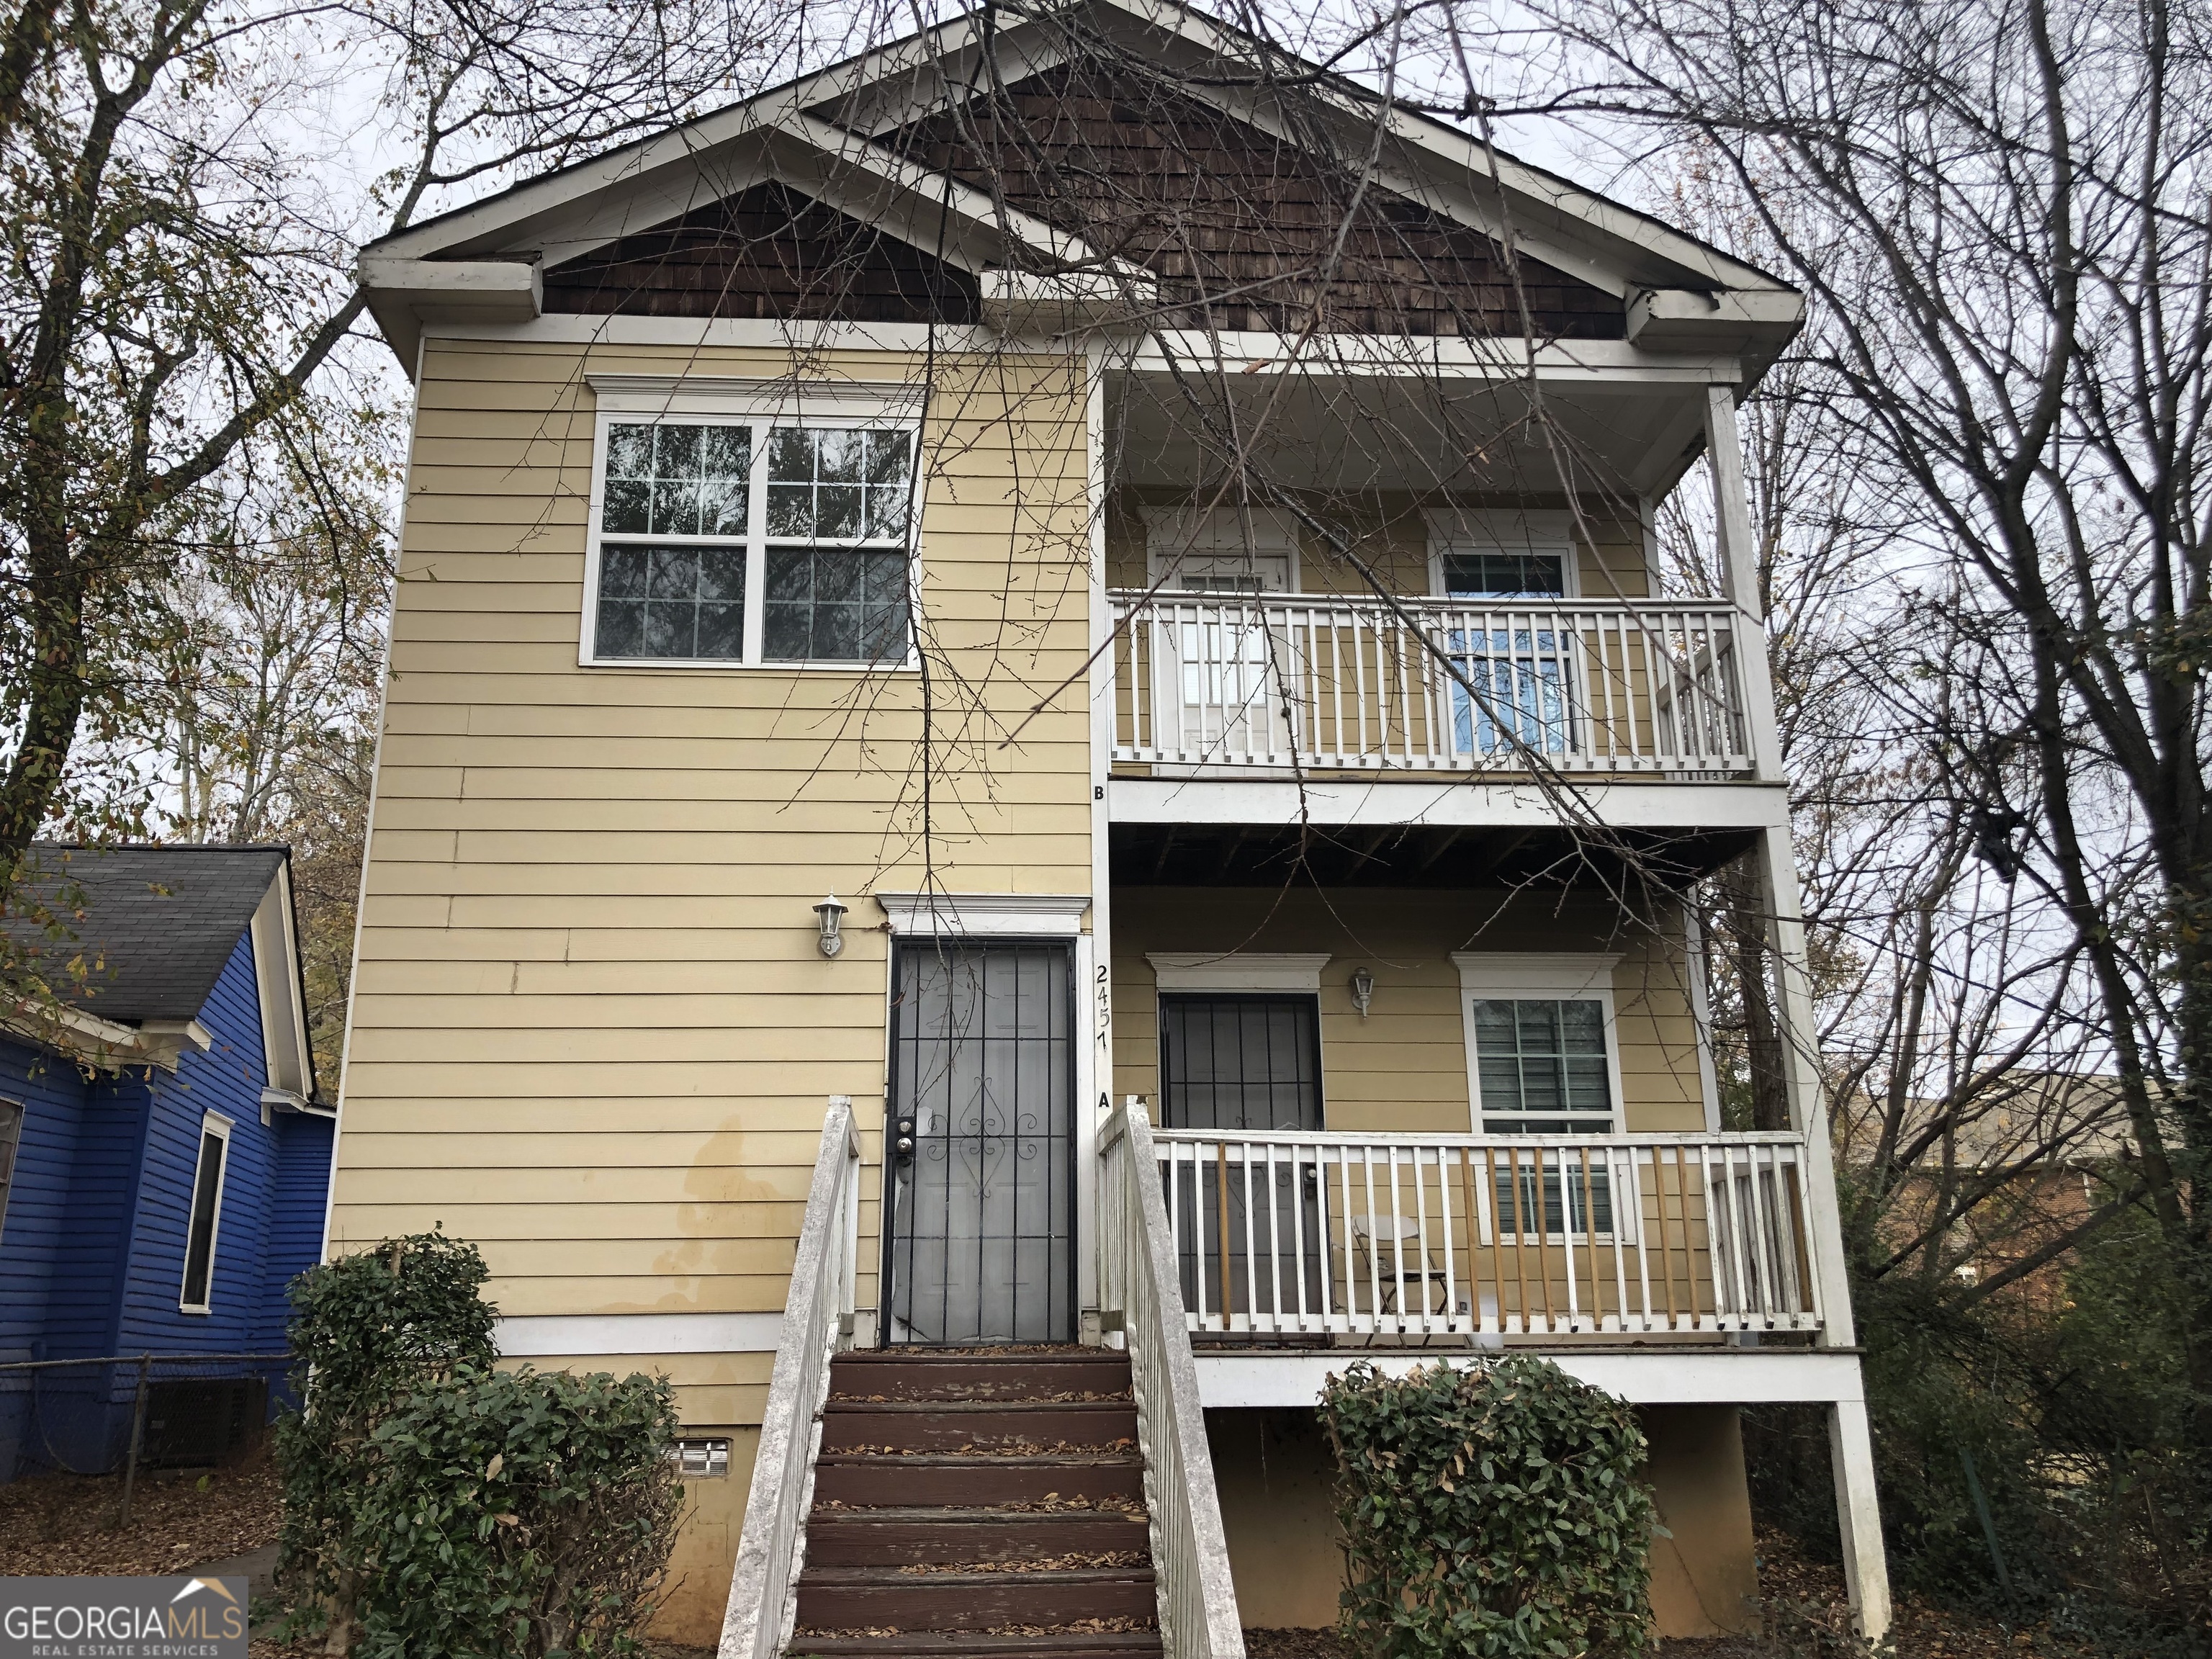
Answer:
(1466, 1237)
(1285, 680)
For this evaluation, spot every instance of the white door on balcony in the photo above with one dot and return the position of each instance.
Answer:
(1222, 675)
(1507, 644)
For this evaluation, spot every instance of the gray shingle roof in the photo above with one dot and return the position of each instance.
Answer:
(159, 923)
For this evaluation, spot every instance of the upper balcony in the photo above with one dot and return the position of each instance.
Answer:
(1288, 684)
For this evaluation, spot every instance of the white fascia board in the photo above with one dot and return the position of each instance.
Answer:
(88, 1036)
(1613, 366)
(587, 207)
(1438, 803)
(274, 931)
(1658, 1377)
(1670, 320)
(781, 334)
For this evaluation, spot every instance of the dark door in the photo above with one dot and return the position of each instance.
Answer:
(982, 1243)
(1245, 1063)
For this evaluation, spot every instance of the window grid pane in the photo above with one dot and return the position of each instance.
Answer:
(679, 603)
(677, 479)
(834, 604)
(831, 484)
(1499, 574)
(1541, 1055)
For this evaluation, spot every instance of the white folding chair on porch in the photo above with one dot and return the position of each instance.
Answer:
(1387, 1239)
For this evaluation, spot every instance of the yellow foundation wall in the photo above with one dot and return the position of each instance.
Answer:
(1404, 1066)
(591, 1030)
(1390, 535)
(1274, 1472)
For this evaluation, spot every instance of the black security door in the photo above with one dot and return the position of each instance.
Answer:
(1252, 1063)
(981, 1245)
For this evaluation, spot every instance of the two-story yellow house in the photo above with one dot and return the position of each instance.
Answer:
(1035, 783)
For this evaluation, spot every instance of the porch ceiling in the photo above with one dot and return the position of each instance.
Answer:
(1409, 855)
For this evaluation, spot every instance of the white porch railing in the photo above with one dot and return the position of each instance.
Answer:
(1466, 1237)
(1286, 679)
(817, 1322)
(1137, 1281)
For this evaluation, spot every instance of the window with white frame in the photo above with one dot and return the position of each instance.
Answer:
(1543, 1059)
(11, 1138)
(1501, 554)
(720, 540)
(204, 1228)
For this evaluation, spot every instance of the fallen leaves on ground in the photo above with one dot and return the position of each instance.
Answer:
(179, 1519)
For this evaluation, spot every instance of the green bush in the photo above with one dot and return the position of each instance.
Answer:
(433, 1504)
(519, 1512)
(1491, 1510)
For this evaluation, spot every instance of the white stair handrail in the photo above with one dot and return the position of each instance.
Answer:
(1138, 1280)
(817, 1321)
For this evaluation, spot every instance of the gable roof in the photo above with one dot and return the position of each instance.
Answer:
(831, 135)
(157, 927)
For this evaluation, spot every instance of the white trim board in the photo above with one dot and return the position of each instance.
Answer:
(1237, 970)
(541, 1336)
(984, 915)
(1662, 1376)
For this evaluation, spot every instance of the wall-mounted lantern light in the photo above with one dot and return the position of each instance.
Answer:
(830, 915)
(1363, 990)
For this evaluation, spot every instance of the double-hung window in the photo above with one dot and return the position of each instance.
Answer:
(11, 1138)
(727, 539)
(1542, 1059)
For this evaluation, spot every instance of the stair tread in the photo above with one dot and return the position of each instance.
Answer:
(976, 1408)
(1069, 1641)
(968, 1515)
(1081, 1460)
(907, 1577)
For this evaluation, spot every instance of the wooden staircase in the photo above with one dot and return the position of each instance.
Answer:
(978, 1504)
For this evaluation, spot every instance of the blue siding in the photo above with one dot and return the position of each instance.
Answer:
(93, 1248)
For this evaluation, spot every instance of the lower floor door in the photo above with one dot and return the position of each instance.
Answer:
(980, 1246)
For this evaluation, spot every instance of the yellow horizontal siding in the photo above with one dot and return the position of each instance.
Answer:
(591, 1028)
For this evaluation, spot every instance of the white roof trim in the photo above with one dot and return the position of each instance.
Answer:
(684, 155)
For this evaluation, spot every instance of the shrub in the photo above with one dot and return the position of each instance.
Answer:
(436, 1505)
(1489, 1509)
(519, 1512)
(367, 1331)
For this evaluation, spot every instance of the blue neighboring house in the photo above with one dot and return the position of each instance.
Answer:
(164, 1158)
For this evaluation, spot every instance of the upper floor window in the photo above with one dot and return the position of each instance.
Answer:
(718, 540)
(1476, 554)
(1541, 1042)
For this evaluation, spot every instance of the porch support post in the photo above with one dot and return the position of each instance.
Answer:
(1094, 1077)
(1738, 552)
(1866, 1569)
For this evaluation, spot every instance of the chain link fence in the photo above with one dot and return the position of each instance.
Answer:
(123, 1412)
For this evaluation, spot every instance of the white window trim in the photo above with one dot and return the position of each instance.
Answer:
(1537, 975)
(1502, 530)
(701, 400)
(1183, 530)
(13, 1155)
(1237, 970)
(215, 1124)
(984, 916)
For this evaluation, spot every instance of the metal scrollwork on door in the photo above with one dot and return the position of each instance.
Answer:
(980, 1244)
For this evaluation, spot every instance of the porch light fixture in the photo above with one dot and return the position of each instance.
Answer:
(1363, 990)
(830, 914)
